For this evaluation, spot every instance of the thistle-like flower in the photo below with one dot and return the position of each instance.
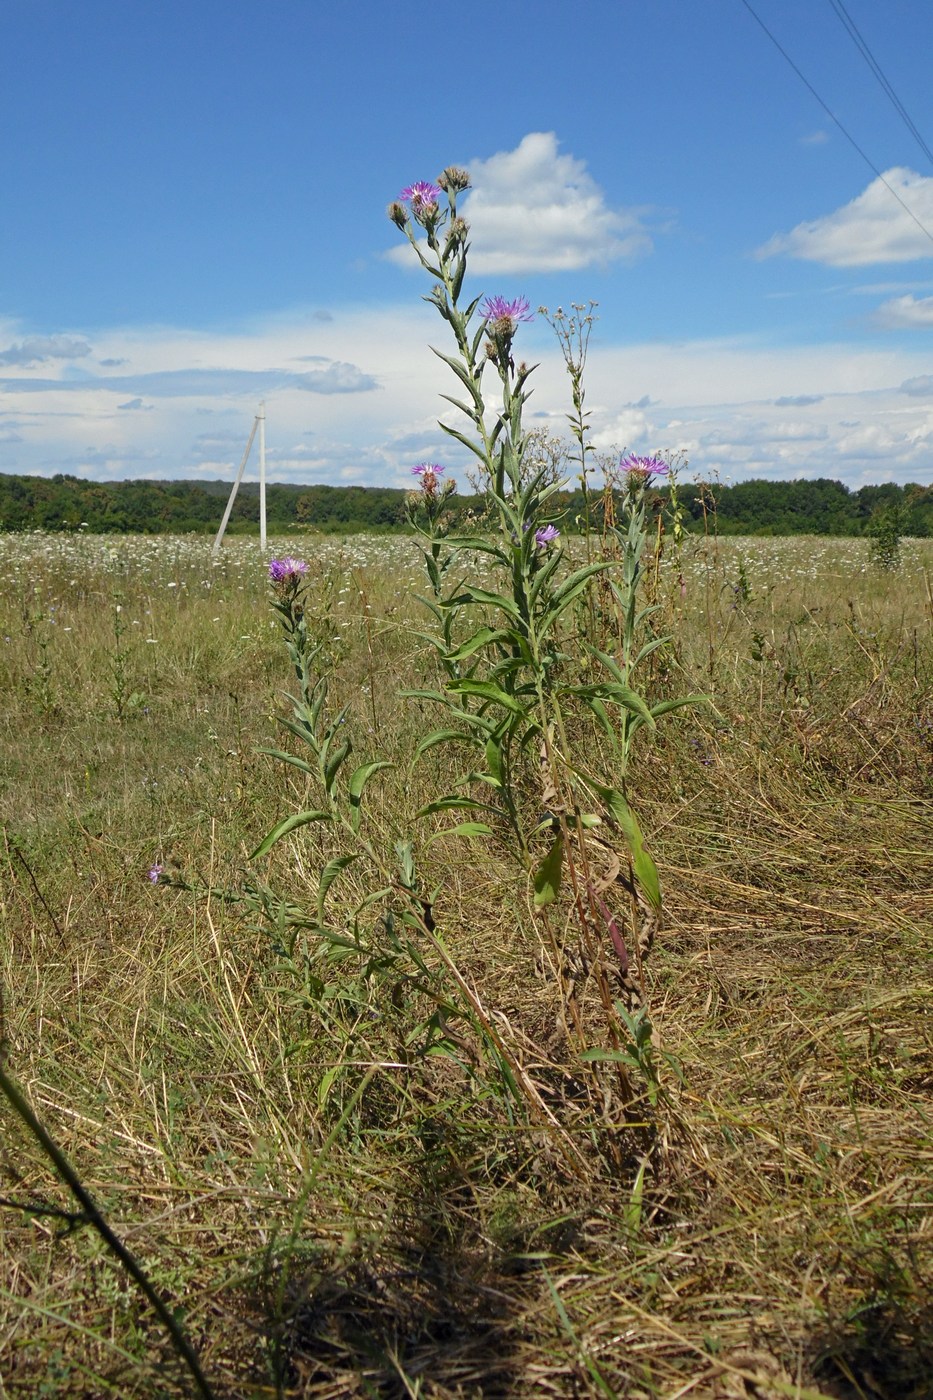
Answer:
(546, 535)
(644, 466)
(423, 197)
(502, 318)
(501, 309)
(154, 873)
(429, 473)
(287, 570)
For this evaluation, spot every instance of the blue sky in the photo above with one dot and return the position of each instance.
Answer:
(193, 219)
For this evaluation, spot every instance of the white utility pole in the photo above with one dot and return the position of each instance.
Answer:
(258, 422)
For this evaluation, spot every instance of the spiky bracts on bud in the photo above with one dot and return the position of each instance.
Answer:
(454, 179)
(398, 214)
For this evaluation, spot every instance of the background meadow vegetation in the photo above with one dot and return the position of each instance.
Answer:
(330, 1219)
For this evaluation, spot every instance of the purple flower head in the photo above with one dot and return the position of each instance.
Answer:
(501, 309)
(287, 570)
(429, 473)
(546, 535)
(154, 873)
(421, 195)
(644, 466)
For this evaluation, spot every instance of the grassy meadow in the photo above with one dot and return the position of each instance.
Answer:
(331, 1216)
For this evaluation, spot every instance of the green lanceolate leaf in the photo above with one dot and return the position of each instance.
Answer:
(475, 447)
(444, 736)
(358, 781)
(646, 872)
(481, 546)
(292, 823)
(469, 716)
(462, 829)
(469, 594)
(290, 758)
(485, 690)
(664, 707)
(453, 803)
(548, 874)
(494, 759)
(481, 638)
(328, 875)
(576, 581)
(333, 764)
(619, 1057)
(612, 690)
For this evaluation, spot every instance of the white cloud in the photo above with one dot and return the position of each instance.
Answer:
(920, 387)
(872, 228)
(39, 349)
(739, 405)
(905, 313)
(534, 210)
(337, 378)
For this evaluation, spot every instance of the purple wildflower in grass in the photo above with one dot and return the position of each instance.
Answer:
(286, 570)
(644, 466)
(501, 309)
(546, 535)
(154, 873)
(421, 194)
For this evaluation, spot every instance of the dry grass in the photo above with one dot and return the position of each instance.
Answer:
(406, 1240)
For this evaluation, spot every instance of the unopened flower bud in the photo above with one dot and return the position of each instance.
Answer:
(458, 231)
(398, 214)
(454, 179)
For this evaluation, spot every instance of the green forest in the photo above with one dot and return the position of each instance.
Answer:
(819, 507)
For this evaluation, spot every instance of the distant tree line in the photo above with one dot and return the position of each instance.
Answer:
(820, 507)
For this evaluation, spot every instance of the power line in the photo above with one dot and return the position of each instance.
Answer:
(861, 44)
(832, 116)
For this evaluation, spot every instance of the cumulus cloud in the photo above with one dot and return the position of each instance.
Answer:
(337, 378)
(905, 313)
(536, 210)
(872, 228)
(39, 349)
(920, 387)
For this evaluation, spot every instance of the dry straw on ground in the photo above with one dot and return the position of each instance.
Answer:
(323, 1241)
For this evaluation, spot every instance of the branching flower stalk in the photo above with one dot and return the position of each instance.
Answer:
(573, 337)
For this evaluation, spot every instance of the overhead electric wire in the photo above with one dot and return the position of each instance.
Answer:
(832, 116)
(861, 44)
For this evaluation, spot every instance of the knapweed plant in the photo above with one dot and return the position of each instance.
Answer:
(373, 969)
(548, 753)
